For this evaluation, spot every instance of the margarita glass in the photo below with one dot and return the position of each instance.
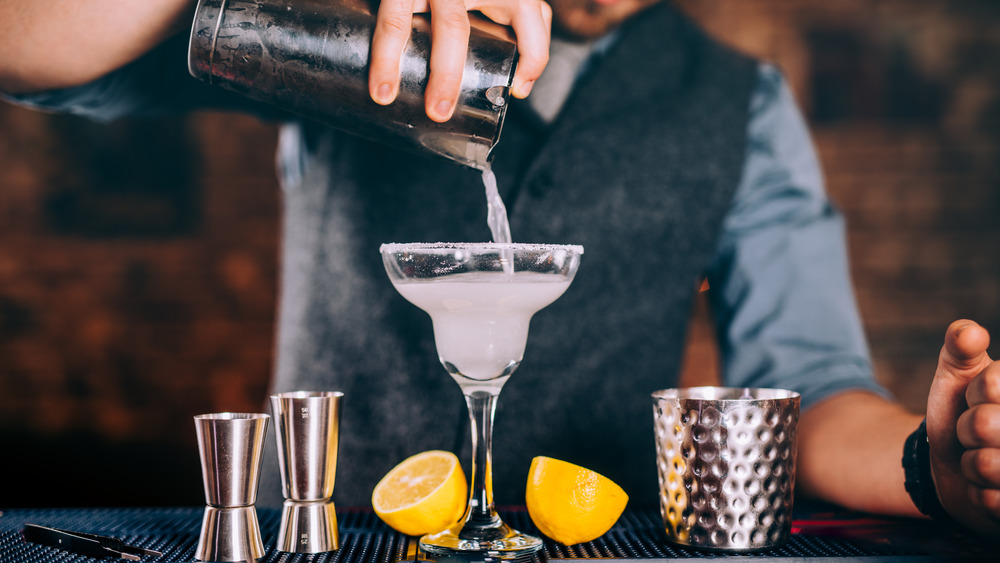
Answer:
(481, 297)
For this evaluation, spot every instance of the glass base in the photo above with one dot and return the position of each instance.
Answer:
(498, 541)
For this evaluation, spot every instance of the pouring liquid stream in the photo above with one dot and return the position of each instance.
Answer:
(496, 218)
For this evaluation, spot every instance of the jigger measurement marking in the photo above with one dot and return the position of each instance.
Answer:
(307, 453)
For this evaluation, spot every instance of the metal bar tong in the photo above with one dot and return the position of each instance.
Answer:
(80, 543)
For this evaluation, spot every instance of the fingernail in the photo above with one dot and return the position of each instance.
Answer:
(443, 108)
(384, 94)
(525, 89)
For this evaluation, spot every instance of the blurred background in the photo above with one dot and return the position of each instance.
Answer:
(138, 260)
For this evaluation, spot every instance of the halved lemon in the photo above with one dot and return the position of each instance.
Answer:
(424, 493)
(571, 504)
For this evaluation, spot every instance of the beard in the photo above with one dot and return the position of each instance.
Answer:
(586, 19)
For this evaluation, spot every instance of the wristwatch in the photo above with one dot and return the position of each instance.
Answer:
(919, 481)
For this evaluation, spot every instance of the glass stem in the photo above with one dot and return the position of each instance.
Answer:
(481, 512)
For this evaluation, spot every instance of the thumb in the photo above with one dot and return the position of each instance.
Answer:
(963, 357)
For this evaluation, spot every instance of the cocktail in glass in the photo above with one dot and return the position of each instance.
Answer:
(481, 297)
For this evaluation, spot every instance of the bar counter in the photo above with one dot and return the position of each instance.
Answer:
(823, 534)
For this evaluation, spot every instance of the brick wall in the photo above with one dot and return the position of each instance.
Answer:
(131, 300)
(904, 102)
(132, 297)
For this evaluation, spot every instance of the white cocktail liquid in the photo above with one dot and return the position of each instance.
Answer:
(496, 219)
(496, 212)
(481, 319)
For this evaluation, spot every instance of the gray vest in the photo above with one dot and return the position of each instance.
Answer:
(639, 168)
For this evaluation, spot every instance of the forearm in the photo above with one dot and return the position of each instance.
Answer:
(64, 43)
(850, 452)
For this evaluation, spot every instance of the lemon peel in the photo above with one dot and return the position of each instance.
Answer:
(571, 504)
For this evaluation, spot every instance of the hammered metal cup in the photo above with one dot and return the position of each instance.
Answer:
(726, 464)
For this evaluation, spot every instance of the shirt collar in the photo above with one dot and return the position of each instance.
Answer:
(568, 61)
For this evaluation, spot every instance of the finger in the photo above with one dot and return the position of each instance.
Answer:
(449, 44)
(985, 388)
(962, 357)
(532, 24)
(964, 349)
(979, 427)
(981, 467)
(392, 30)
(986, 499)
(547, 16)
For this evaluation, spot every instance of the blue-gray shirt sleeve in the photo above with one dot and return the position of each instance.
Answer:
(780, 286)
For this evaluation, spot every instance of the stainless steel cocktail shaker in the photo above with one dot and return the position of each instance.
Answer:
(310, 57)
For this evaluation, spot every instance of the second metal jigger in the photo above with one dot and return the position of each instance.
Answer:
(231, 447)
(308, 435)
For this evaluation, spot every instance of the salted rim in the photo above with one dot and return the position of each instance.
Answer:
(399, 246)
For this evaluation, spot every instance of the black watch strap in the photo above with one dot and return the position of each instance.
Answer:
(919, 481)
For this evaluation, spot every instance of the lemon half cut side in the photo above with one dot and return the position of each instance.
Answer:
(423, 494)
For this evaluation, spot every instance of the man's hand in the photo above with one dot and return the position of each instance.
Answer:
(963, 427)
(530, 19)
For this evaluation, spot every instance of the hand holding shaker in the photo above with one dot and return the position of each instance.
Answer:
(726, 464)
(310, 57)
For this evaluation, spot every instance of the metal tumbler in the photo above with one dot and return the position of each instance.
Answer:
(310, 57)
(726, 465)
(231, 447)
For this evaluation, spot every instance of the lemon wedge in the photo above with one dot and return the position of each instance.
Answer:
(424, 493)
(571, 504)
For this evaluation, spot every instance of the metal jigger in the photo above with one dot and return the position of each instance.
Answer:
(231, 447)
(308, 434)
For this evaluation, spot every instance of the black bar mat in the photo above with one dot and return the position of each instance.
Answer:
(365, 539)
